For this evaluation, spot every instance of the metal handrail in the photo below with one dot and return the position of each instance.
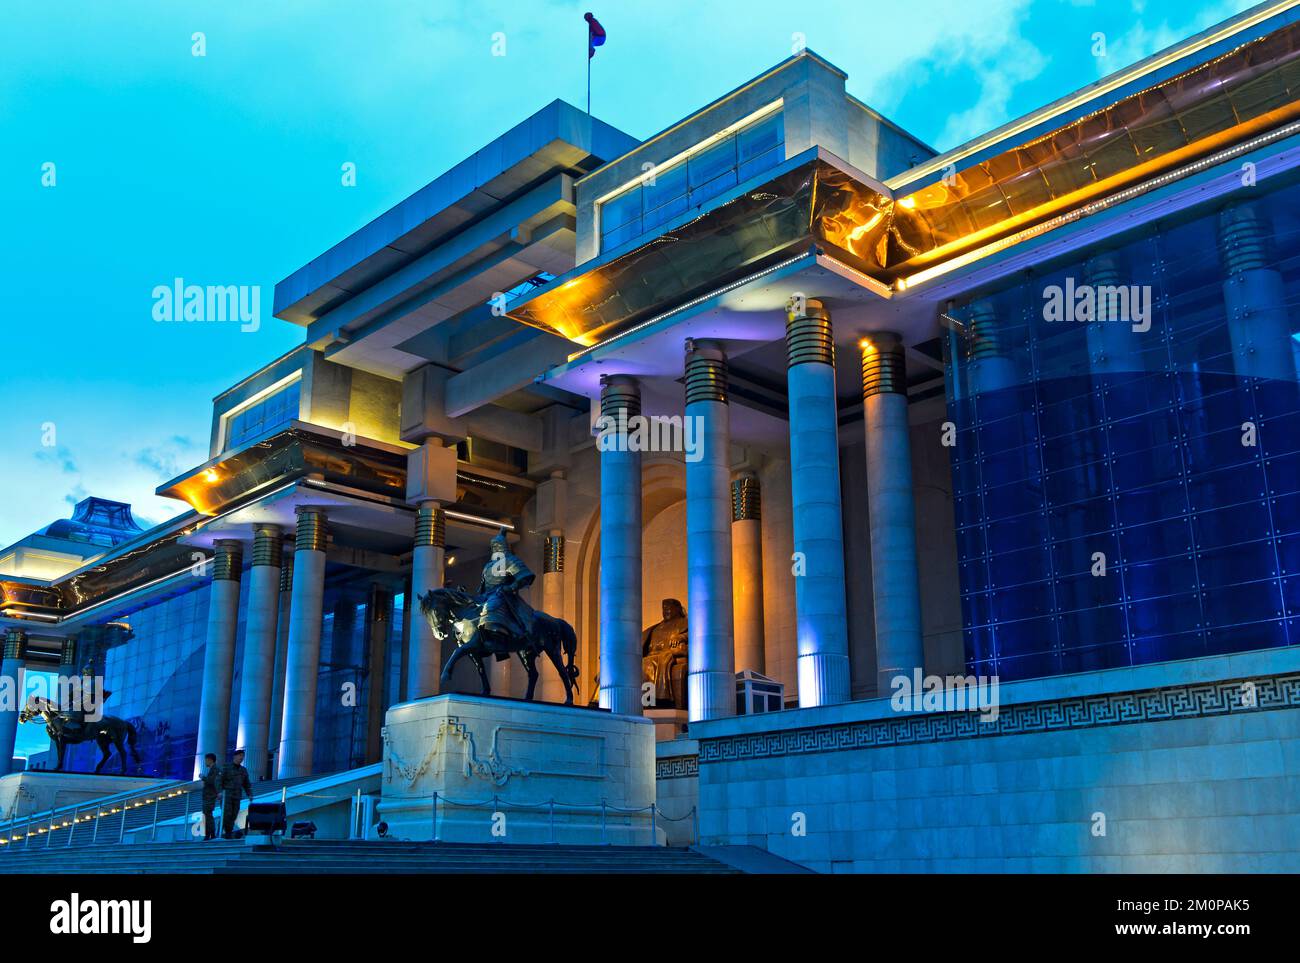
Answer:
(49, 821)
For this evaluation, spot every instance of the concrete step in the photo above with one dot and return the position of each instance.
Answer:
(353, 857)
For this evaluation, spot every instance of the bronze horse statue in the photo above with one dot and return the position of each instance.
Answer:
(107, 731)
(453, 613)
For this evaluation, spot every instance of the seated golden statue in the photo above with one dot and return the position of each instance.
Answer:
(663, 656)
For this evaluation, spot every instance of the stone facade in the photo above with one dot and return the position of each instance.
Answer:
(1185, 767)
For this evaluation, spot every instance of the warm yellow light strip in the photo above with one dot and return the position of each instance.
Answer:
(1077, 99)
(952, 264)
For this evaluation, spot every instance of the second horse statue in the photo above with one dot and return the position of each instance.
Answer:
(497, 622)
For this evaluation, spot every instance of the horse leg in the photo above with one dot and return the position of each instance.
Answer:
(527, 659)
(121, 751)
(60, 747)
(558, 661)
(482, 674)
(102, 741)
(456, 656)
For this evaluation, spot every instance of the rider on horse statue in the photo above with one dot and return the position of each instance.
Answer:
(504, 613)
(83, 702)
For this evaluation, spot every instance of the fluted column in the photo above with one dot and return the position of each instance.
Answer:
(620, 548)
(894, 579)
(302, 660)
(1255, 297)
(552, 604)
(11, 694)
(219, 652)
(427, 558)
(275, 722)
(821, 623)
(747, 572)
(711, 671)
(254, 734)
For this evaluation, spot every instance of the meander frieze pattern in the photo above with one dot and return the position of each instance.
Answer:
(1190, 701)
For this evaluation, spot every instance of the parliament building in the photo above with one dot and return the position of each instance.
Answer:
(931, 506)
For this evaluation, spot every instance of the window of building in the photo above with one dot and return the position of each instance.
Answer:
(699, 176)
(252, 421)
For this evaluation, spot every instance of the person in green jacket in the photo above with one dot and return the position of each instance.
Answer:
(235, 785)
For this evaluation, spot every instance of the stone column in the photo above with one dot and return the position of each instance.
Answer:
(11, 694)
(552, 604)
(258, 676)
(379, 619)
(302, 660)
(990, 369)
(1113, 346)
(219, 652)
(427, 560)
(1254, 296)
(894, 579)
(276, 719)
(710, 678)
(822, 635)
(747, 572)
(620, 548)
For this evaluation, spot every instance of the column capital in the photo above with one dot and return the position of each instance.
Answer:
(706, 372)
(883, 366)
(619, 393)
(553, 554)
(311, 533)
(809, 338)
(227, 559)
(746, 499)
(430, 526)
(268, 545)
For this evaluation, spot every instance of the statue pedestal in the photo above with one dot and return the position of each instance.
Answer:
(669, 723)
(497, 765)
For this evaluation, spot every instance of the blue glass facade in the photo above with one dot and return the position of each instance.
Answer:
(155, 675)
(1166, 457)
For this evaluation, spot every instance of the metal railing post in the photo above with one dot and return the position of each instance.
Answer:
(654, 816)
(435, 816)
(695, 826)
(186, 819)
(94, 836)
(602, 823)
(73, 829)
(121, 829)
(552, 822)
(153, 833)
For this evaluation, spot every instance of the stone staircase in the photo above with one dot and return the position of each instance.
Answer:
(340, 857)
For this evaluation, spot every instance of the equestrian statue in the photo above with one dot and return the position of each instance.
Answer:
(496, 622)
(70, 727)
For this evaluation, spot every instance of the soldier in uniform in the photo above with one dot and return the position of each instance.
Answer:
(211, 790)
(234, 785)
(503, 611)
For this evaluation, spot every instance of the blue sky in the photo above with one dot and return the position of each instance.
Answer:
(226, 169)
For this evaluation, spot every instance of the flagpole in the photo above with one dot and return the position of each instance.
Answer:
(588, 76)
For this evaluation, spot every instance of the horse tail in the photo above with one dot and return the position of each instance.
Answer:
(131, 740)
